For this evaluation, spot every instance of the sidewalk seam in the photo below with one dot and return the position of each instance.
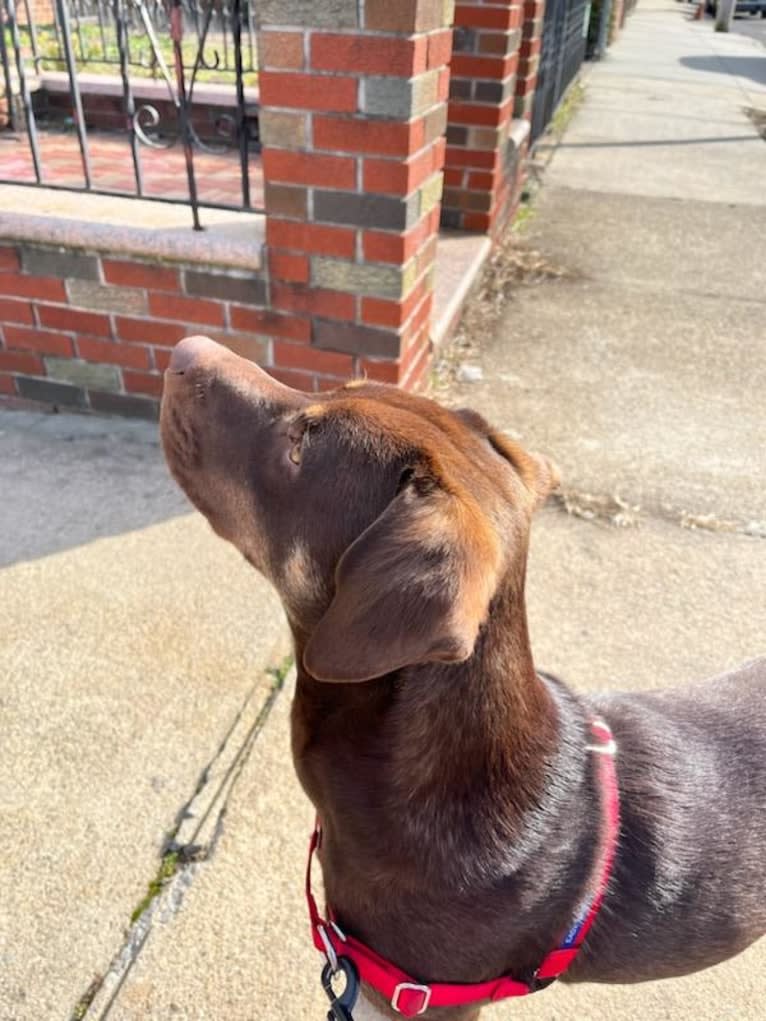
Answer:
(190, 843)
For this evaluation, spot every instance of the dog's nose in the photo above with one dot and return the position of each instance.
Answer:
(191, 351)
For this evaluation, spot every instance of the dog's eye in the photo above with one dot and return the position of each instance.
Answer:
(301, 430)
(297, 435)
(405, 478)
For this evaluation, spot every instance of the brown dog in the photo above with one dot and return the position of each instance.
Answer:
(460, 806)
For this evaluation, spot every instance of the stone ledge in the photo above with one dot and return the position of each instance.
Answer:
(77, 221)
(205, 93)
(459, 261)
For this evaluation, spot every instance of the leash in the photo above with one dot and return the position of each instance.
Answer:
(348, 957)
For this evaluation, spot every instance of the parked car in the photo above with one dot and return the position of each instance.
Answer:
(743, 7)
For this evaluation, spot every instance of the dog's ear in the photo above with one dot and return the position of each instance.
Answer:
(537, 472)
(413, 588)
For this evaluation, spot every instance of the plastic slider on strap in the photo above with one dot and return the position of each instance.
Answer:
(556, 962)
(411, 999)
(603, 734)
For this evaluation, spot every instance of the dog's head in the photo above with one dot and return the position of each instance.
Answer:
(385, 521)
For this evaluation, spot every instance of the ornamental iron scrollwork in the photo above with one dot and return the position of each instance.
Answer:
(178, 43)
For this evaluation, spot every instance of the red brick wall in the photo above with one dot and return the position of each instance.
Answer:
(42, 12)
(106, 113)
(353, 114)
(92, 331)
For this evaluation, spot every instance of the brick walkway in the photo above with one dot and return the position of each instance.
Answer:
(164, 170)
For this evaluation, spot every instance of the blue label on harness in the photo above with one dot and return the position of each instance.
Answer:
(571, 937)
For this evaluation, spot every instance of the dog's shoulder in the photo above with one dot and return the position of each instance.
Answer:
(726, 702)
(704, 741)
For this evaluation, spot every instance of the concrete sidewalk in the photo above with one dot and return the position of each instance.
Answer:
(135, 647)
(667, 114)
(642, 369)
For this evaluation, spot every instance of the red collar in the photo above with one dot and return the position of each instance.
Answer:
(409, 997)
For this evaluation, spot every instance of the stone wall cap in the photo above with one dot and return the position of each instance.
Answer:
(143, 88)
(226, 244)
(518, 131)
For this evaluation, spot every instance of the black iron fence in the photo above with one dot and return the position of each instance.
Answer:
(565, 29)
(71, 49)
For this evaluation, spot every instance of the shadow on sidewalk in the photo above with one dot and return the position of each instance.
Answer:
(753, 68)
(69, 479)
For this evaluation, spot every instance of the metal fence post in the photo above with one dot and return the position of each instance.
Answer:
(724, 15)
(26, 99)
(7, 74)
(79, 117)
(603, 29)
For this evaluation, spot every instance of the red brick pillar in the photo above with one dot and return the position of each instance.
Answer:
(529, 57)
(482, 163)
(353, 110)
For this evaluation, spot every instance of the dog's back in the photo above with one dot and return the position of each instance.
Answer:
(692, 766)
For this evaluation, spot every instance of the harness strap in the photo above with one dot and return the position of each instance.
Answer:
(409, 997)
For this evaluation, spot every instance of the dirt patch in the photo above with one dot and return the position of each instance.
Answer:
(513, 264)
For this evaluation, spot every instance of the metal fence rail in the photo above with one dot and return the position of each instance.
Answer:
(565, 29)
(178, 43)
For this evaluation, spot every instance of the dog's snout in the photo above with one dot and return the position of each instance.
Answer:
(191, 352)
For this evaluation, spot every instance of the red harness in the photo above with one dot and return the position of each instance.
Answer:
(410, 997)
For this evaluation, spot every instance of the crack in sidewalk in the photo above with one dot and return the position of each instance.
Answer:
(191, 841)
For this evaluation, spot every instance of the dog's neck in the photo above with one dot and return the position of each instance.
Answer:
(434, 748)
(481, 727)
(450, 785)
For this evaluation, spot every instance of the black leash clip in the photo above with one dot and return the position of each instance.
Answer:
(341, 1004)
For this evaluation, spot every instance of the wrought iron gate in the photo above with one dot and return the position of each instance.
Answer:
(565, 31)
(174, 44)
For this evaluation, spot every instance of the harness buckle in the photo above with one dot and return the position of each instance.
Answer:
(329, 949)
(411, 987)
